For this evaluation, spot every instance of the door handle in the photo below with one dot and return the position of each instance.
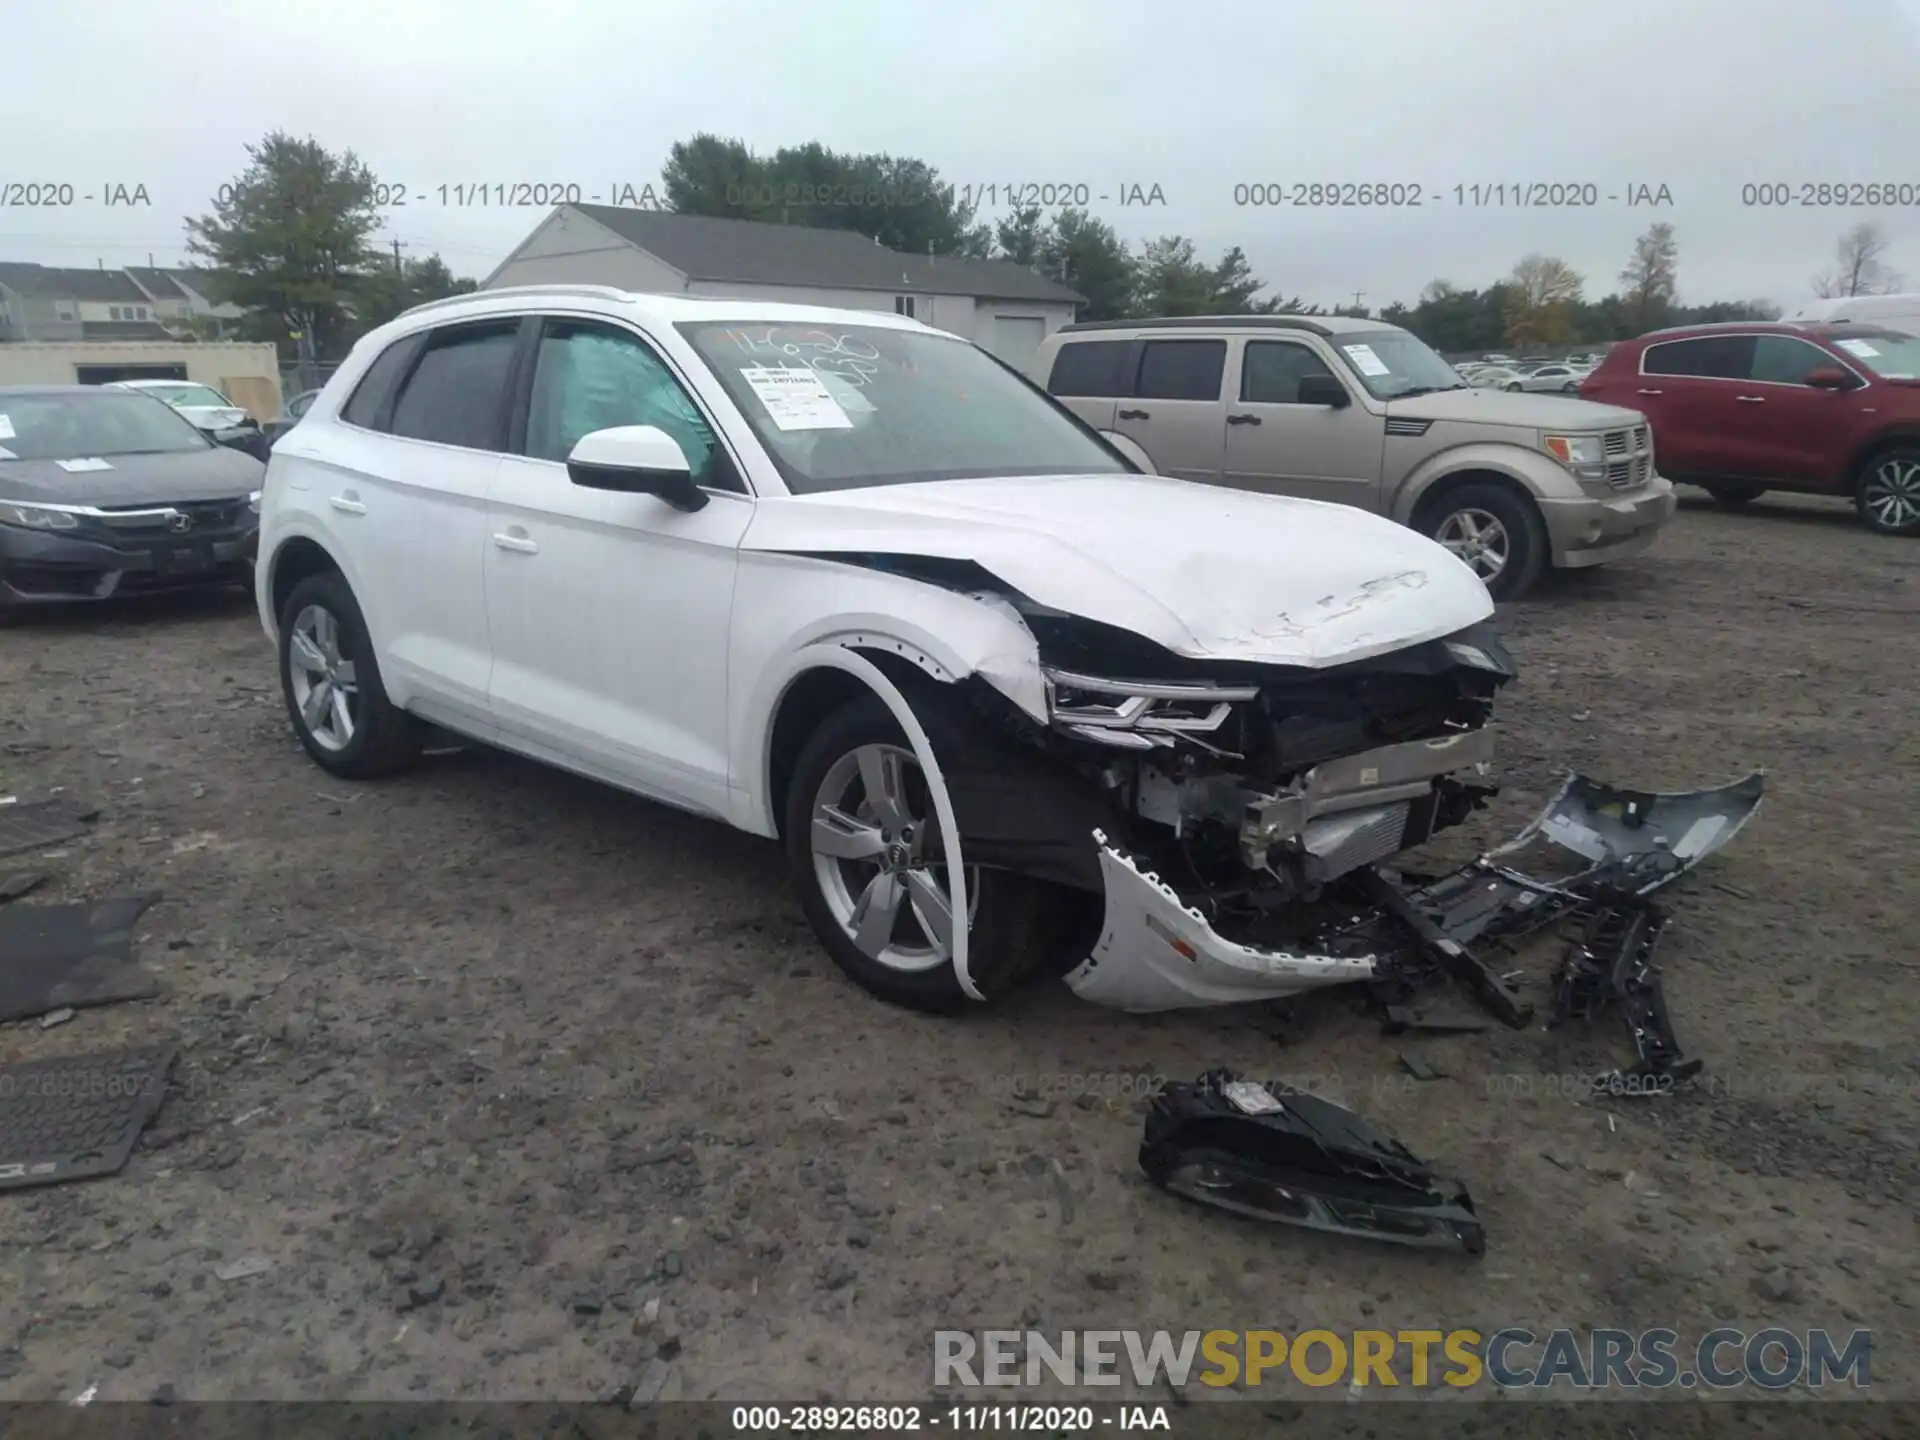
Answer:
(346, 503)
(1653, 392)
(1243, 419)
(1751, 399)
(1133, 415)
(519, 544)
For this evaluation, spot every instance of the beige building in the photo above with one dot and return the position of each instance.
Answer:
(247, 374)
(1002, 307)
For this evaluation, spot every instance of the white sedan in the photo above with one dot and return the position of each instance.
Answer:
(847, 582)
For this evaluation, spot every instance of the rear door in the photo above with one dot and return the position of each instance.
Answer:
(1687, 390)
(411, 502)
(1177, 412)
(1276, 444)
(1089, 377)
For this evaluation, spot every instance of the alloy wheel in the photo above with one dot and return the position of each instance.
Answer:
(1477, 537)
(875, 846)
(1891, 494)
(326, 691)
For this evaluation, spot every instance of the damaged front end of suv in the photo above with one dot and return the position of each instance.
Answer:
(1211, 803)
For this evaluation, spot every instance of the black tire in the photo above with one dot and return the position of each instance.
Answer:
(1887, 491)
(1513, 387)
(1732, 492)
(383, 737)
(1005, 941)
(1519, 518)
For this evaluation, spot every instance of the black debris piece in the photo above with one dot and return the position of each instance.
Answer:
(40, 823)
(58, 956)
(1446, 953)
(1404, 1019)
(1419, 1069)
(1611, 963)
(1275, 1153)
(16, 883)
(76, 1118)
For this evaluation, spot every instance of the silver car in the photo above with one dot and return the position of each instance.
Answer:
(1552, 378)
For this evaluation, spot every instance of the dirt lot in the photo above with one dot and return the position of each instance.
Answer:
(484, 1057)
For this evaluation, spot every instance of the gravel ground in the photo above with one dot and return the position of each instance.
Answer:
(485, 1060)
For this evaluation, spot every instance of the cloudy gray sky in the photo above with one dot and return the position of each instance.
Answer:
(1195, 96)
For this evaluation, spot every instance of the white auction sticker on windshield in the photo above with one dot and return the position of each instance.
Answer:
(81, 467)
(6, 427)
(1858, 347)
(796, 398)
(1369, 363)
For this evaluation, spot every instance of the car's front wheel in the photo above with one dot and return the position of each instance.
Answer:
(1497, 532)
(863, 840)
(331, 682)
(1888, 495)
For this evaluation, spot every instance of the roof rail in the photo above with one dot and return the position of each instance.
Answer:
(598, 292)
(1212, 322)
(1728, 325)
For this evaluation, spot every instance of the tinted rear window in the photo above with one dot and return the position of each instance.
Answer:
(1182, 370)
(1090, 367)
(363, 409)
(456, 394)
(1717, 357)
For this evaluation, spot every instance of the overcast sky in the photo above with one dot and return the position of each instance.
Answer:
(1701, 96)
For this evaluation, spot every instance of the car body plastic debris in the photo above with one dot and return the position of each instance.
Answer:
(78, 1117)
(1275, 1153)
(1611, 962)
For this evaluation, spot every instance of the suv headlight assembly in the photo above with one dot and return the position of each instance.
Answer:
(36, 517)
(1584, 455)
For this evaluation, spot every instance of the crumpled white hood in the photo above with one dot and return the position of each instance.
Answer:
(1206, 572)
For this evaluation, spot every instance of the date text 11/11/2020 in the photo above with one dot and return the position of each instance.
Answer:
(1499, 194)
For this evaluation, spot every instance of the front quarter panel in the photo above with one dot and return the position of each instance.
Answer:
(1540, 474)
(786, 604)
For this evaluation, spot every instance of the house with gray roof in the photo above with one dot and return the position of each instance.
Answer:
(1003, 307)
(71, 303)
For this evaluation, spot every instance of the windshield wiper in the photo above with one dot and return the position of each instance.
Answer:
(1424, 390)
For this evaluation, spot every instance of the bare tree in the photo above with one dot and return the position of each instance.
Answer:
(1541, 295)
(1650, 276)
(1859, 268)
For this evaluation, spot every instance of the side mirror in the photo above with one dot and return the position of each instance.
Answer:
(1323, 390)
(1829, 377)
(636, 460)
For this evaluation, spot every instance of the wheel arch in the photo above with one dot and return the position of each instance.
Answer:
(293, 560)
(1871, 450)
(1441, 486)
(823, 676)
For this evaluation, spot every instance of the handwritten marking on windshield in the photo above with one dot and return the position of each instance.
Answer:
(852, 360)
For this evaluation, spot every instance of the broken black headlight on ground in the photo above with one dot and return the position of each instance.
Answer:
(1276, 1153)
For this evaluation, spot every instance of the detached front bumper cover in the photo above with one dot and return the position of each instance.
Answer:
(1278, 1154)
(1156, 953)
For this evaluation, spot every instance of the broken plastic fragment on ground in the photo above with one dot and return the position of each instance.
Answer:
(1280, 1154)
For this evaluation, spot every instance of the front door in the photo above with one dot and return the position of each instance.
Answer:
(1176, 412)
(1276, 444)
(1787, 428)
(610, 612)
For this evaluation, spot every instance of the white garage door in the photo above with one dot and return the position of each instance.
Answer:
(1016, 339)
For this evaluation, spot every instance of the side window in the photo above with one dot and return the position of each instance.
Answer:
(363, 407)
(595, 377)
(457, 392)
(1783, 360)
(1271, 372)
(1181, 370)
(1714, 357)
(1094, 369)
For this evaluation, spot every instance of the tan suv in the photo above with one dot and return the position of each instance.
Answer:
(1365, 414)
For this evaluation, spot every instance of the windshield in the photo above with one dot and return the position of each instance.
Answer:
(1391, 363)
(188, 395)
(1890, 356)
(846, 406)
(90, 426)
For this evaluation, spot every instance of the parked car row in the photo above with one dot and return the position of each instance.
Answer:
(1818, 408)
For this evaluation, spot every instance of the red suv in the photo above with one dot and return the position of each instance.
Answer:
(1740, 409)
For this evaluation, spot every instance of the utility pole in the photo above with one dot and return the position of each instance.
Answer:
(396, 254)
(1358, 296)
